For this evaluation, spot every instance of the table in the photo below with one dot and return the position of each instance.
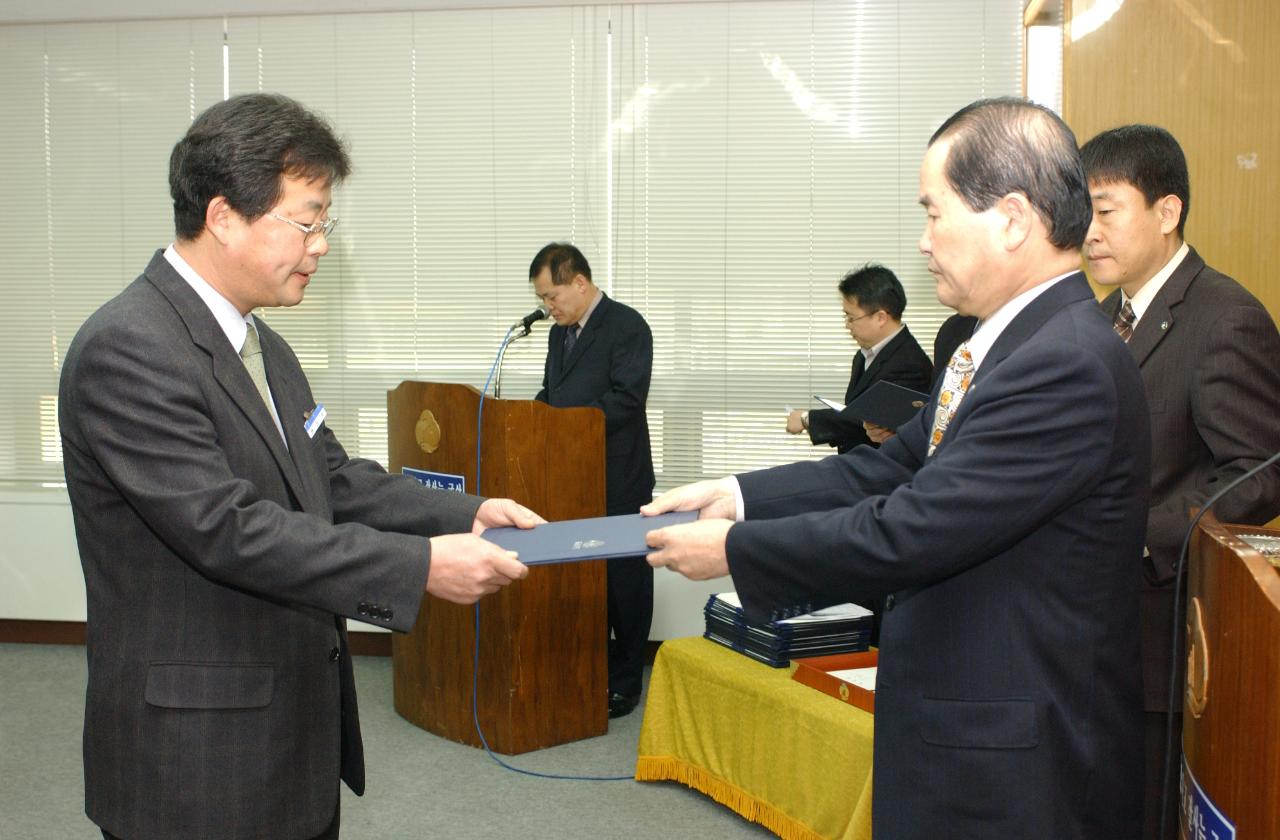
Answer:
(777, 752)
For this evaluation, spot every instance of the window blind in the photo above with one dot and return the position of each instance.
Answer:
(720, 164)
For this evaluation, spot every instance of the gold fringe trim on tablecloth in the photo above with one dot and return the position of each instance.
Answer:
(668, 768)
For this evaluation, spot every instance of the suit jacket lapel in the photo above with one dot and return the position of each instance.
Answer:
(292, 402)
(228, 369)
(1158, 320)
(882, 358)
(857, 376)
(585, 340)
(1071, 289)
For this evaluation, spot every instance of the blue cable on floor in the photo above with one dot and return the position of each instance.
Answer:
(475, 716)
(475, 654)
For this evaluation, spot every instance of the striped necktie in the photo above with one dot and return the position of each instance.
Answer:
(1123, 323)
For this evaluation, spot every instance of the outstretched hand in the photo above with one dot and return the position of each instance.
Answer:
(713, 499)
(499, 513)
(694, 549)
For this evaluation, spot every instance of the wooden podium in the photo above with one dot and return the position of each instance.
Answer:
(543, 676)
(1231, 706)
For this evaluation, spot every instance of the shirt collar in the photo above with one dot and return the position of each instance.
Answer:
(233, 324)
(987, 331)
(869, 355)
(1142, 300)
(582, 322)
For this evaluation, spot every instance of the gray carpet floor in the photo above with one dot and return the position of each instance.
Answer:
(418, 785)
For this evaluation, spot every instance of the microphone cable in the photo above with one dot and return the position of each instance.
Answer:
(1174, 635)
(475, 648)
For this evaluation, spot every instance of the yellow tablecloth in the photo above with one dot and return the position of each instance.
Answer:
(779, 753)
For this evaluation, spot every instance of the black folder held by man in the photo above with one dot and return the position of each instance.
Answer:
(597, 538)
(886, 404)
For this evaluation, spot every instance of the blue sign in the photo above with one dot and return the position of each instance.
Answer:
(1201, 819)
(437, 481)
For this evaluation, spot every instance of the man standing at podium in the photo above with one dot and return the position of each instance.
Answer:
(600, 354)
(224, 533)
(1208, 351)
(1003, 526)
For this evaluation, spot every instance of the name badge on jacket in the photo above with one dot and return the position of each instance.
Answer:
(315, 419)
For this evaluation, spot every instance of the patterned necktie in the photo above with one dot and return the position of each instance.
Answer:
(251, 354)
(954, 385)
(1123, 324)
(570, 339)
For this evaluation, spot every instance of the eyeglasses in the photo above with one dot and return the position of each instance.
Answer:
(323, 227)
(848, 320)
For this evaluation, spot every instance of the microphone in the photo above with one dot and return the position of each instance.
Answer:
(536, 315)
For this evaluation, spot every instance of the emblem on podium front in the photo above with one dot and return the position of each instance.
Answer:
(427, 432)
(1197, 691)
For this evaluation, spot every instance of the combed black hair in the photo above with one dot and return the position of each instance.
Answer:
(876, 289)
(563, 259)
(1147, 157)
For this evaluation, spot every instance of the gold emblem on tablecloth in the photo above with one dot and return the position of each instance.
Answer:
(1197, 660)
(427, 431)
(844, 692)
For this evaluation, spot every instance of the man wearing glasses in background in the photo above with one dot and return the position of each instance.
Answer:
(224, 533)
(873, 301)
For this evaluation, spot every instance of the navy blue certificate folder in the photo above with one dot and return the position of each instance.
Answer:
(887, 404)
(597, 538)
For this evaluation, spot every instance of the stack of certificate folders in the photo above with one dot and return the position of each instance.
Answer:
(844, 628)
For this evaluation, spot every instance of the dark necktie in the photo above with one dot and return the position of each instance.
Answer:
(570, 339)
(1123, 324)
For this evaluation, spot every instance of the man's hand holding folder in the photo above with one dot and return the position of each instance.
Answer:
(695, 550)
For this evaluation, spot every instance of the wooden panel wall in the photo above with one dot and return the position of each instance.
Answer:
(1208, 71)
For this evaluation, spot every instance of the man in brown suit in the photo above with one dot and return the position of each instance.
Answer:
(1208, 352)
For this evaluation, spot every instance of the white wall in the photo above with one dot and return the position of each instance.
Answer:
(39, 567)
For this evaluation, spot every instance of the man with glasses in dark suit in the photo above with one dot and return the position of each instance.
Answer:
(873, 301)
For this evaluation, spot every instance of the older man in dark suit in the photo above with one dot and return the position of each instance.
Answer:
(600, 354)
(1003, 525)
(873, 301)
(1209, 354)
(225, 535)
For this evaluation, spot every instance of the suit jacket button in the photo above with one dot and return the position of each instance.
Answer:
(363, 608)
(387, 613)
(888, 602)
(333, 655)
